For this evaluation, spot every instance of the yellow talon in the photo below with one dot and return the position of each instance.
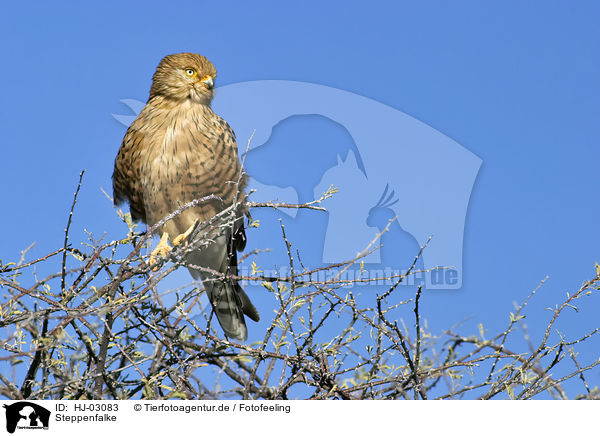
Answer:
(161, 250)
(180, 238)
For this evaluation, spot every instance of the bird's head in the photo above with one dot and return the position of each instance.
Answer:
(184, 76)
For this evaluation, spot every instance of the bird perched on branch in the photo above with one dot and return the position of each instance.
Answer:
(179, 150)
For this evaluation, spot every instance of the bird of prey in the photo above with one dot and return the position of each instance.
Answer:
(178, 150)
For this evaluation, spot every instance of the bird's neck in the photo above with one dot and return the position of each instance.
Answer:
(160, 101)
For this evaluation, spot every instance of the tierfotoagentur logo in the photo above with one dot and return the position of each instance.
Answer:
(25, 415)
(385, 164)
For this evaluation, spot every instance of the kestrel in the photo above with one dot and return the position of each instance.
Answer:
(178, 150)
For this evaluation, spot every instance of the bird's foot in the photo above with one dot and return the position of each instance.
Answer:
(181, 238)
(162, 249)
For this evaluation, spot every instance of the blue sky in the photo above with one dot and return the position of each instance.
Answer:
(516, 84)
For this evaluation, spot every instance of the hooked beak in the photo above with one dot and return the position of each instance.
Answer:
(208, 82)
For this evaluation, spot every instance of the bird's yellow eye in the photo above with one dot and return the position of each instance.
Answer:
(190, 72)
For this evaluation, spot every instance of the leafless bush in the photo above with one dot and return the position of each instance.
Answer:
(98, 328)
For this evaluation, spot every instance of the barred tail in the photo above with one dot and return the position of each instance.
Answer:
(231, 303)
(226, 296)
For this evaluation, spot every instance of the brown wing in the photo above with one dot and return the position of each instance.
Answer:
(213, 160)
(126, 175)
